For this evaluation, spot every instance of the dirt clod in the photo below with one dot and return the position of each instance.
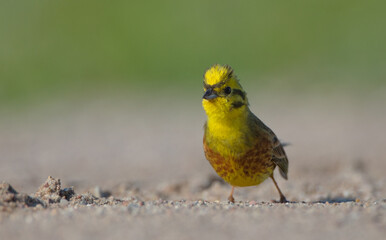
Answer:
(11, 199)
(49, 191)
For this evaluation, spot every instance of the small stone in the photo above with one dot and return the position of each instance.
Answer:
(67, 193)
(101, 194)
(63, 202)
(7, 193)
(97, 192)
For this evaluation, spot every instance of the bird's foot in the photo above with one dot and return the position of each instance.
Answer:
(282, 200)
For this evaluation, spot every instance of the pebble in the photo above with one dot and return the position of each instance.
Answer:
(63, 202)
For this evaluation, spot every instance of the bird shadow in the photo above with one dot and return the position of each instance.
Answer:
(327, 200)
(335, 200)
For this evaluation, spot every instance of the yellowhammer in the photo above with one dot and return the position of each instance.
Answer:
(238, 145)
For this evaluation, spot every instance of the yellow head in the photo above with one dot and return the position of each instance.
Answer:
(224, 97)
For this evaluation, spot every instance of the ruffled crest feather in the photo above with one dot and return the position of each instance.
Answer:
(217, 74)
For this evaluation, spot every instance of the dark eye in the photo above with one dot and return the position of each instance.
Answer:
(227, 90)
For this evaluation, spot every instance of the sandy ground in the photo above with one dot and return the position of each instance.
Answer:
(138, 172)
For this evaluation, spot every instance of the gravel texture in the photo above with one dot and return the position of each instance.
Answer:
(85, 216)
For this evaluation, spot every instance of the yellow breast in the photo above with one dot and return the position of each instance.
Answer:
(240, 159)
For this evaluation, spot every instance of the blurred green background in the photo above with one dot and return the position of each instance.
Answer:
(53, 50)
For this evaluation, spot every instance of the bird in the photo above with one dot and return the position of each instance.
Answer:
(239, 146)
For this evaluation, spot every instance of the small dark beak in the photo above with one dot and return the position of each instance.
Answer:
(209, 94)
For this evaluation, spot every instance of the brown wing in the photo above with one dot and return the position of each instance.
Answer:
(278, 156)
